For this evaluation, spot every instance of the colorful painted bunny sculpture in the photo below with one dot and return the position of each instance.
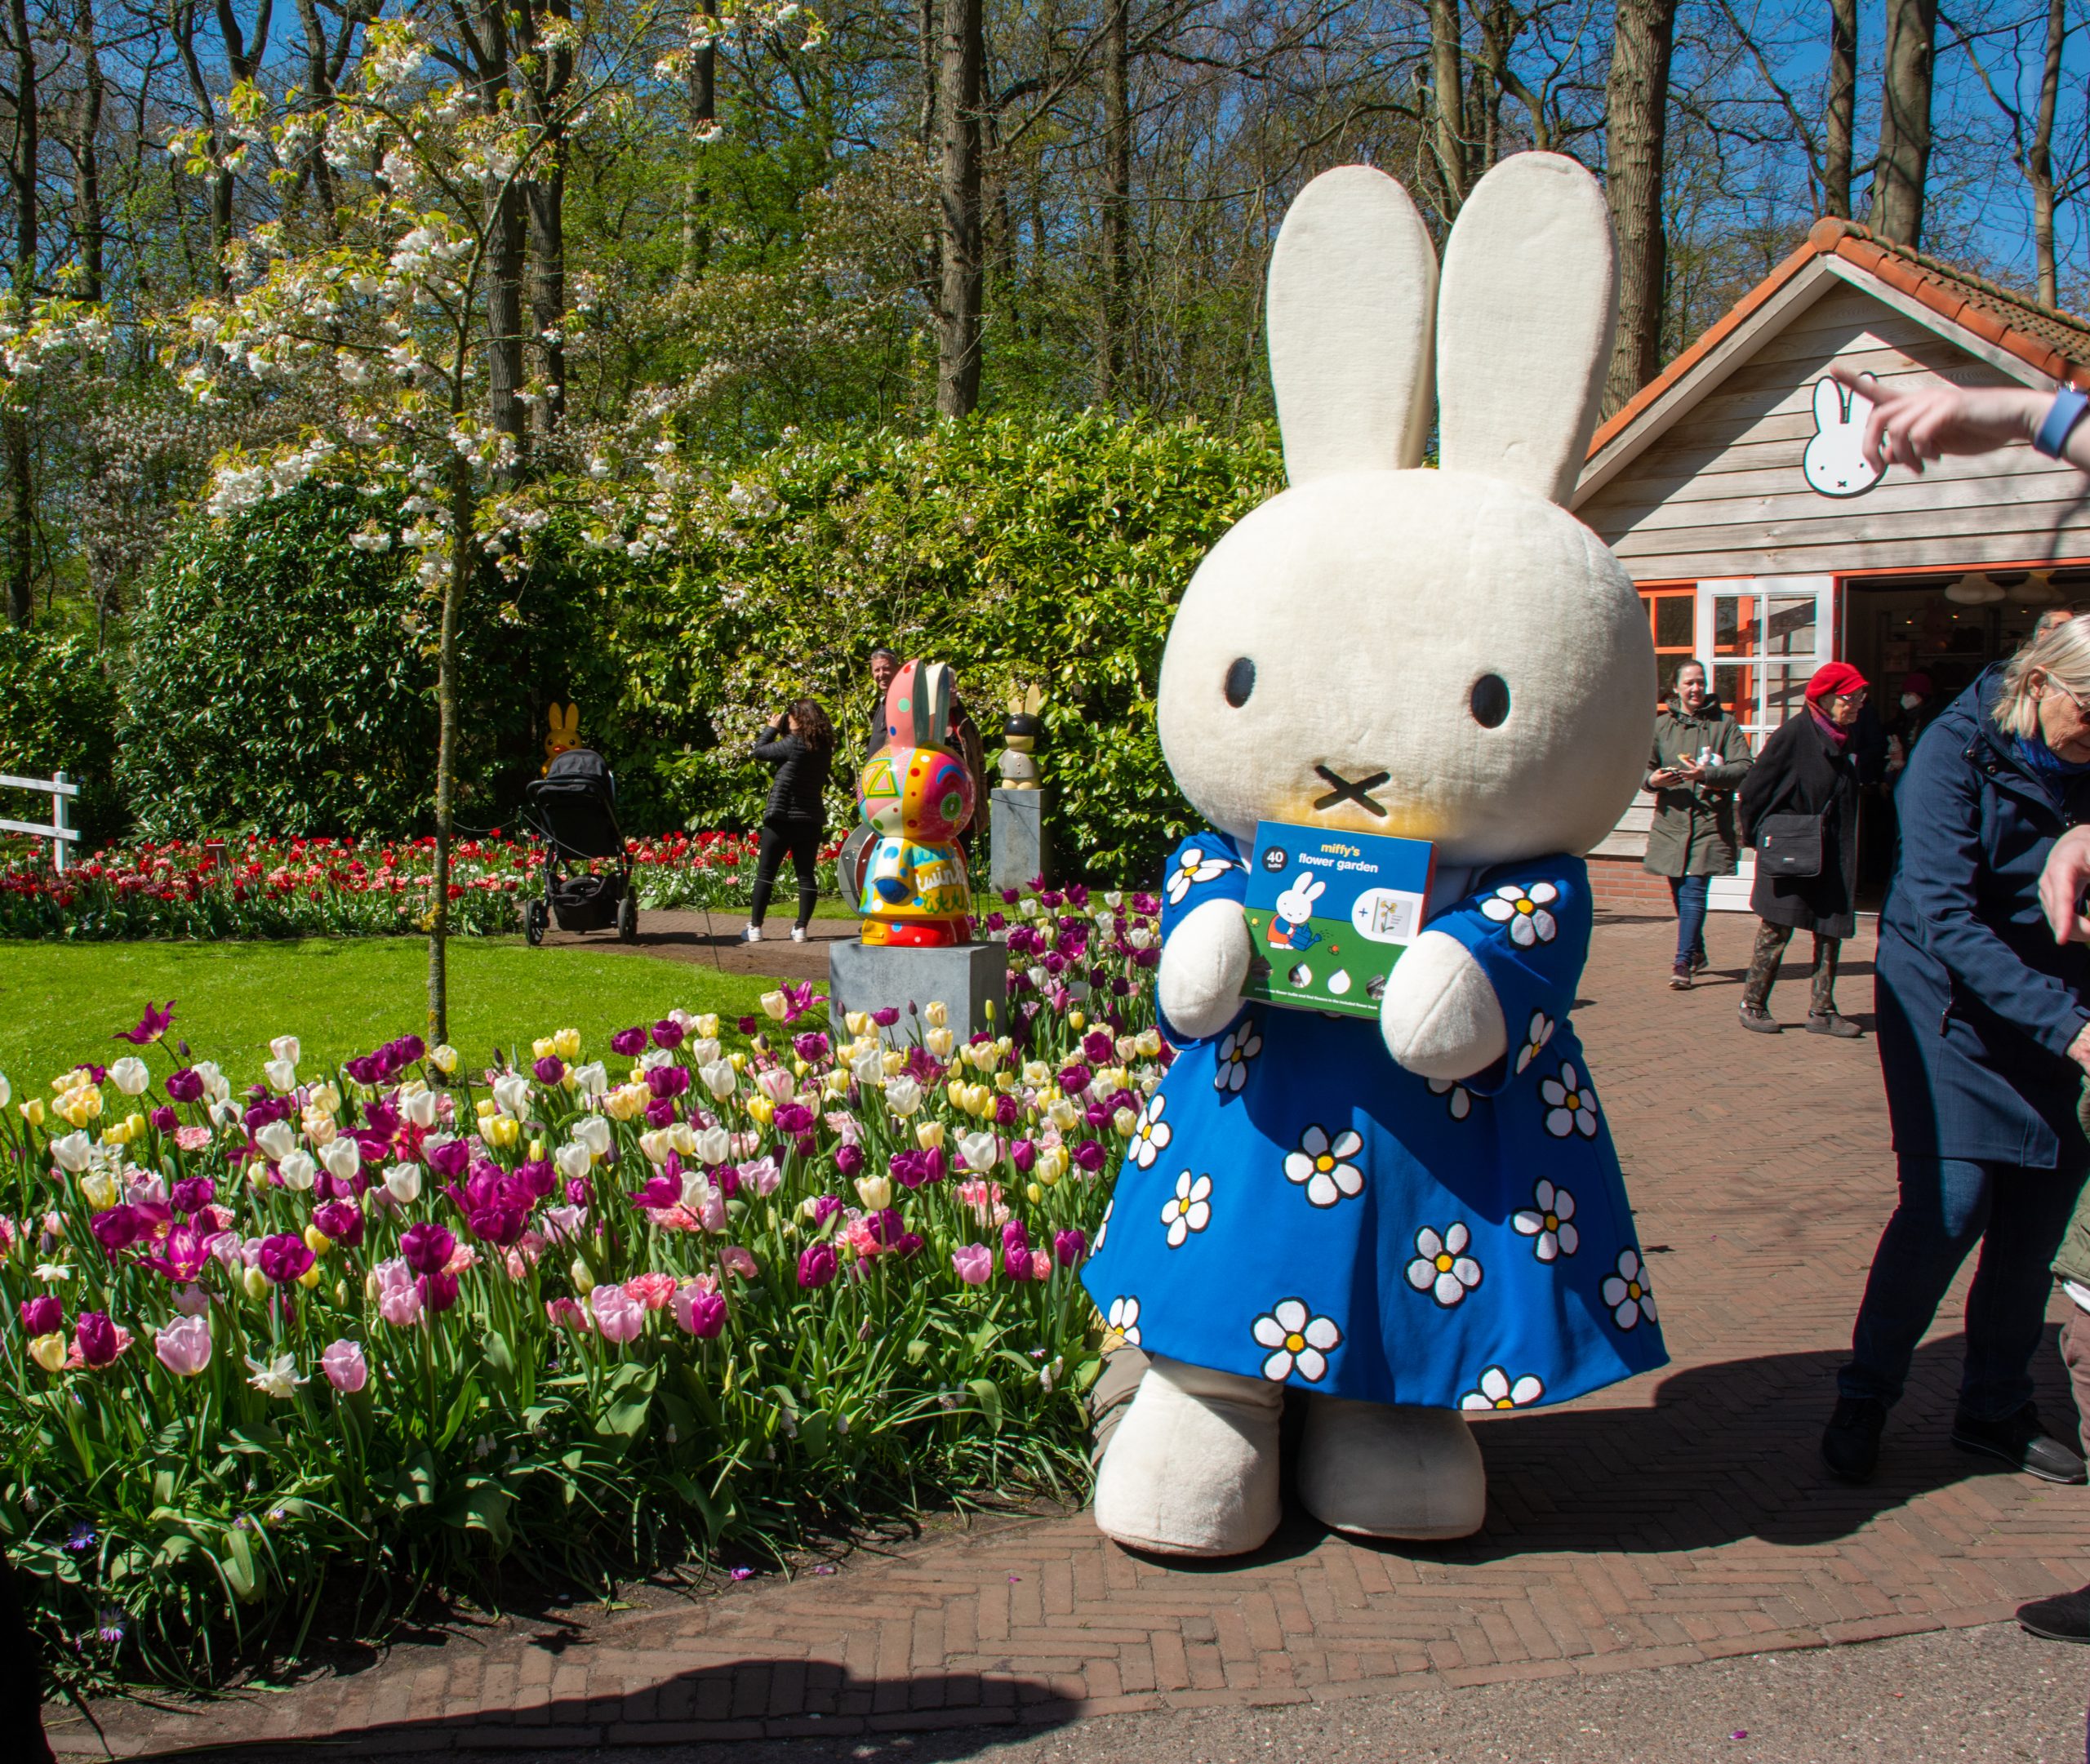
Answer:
(918, 794)
(1405, 1219)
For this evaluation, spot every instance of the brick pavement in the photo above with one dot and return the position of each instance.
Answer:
(709, 940)
(1679, 1518)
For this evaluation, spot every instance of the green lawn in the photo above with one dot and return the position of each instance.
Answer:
(60, 1003)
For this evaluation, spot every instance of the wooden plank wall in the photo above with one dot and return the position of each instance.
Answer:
(1722, 493)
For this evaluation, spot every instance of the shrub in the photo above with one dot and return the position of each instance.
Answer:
(58, 712)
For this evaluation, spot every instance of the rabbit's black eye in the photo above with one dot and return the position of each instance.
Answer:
(1240, 680)
(1490, 700)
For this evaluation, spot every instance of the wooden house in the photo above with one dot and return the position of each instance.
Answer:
(1762, 543)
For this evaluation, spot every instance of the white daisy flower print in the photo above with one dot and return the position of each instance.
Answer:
(1627, 1292)
(1523, 912)
(1319, 1166)
(1298, 1340)
(1442, 1268)
(1547, 1219)
(1458, 1099)
(1150, 1133)
(1497, 1390)
(1236, 1049)
(1188, 1209)
(1121, 1324)
(1103, 1225)
(1194, 866)
(1537, 1033)
(1571, 1105)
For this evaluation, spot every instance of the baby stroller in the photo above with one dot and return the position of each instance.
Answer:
(572, 811)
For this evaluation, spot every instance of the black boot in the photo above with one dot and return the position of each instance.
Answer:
(2021, 1443)
(2066, 1617)
(1850, 1443)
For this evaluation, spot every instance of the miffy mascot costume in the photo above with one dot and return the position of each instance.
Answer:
(1406, 1217)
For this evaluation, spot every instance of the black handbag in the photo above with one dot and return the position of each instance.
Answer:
(1789, 845)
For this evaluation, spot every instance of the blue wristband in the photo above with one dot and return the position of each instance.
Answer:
(2062, 415)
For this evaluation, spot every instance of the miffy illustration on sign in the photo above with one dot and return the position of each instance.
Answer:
(1418, 1213)
(1289, 929)
(1835, 463)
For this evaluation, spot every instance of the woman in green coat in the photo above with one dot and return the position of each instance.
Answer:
(1699, 757)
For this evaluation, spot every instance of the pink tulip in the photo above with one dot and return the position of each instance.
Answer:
(653, 1291)
(700, 1312)
(618, 1315)
(184, 1345)
(737, 1261)
(345, 1368)
(975, 1263)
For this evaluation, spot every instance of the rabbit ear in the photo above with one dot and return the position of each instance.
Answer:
(1832, 406)
(1353, 289)
(1525, 317)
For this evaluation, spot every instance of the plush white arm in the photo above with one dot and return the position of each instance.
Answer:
(1203, 965)
(1440, 1017)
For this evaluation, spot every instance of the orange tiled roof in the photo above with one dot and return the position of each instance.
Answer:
(2056, 343)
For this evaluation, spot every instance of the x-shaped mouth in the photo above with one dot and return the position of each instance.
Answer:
(1345, 791)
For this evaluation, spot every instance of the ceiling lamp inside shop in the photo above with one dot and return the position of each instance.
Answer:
(1978, 589)
(2037, 590)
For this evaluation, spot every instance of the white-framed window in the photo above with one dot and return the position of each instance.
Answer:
(1764, 636)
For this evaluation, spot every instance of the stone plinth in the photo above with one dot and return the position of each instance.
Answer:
(964, 980)
(1019, 831)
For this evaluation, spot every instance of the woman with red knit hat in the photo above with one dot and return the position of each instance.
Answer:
(1799, 809)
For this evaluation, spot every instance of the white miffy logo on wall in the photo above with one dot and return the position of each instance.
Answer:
(1835, 463)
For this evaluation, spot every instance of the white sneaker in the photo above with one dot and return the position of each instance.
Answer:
(798, 934)
(751, 934)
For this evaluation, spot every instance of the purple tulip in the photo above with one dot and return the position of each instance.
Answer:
(185, 1084)
(825, 1206)
(427, 1248)
(151, 1027)
(1075, 1079)
(1006, 1110)
(1069, 1246)
(627, 1042)
(283, 1258)
(449, 1159)
(812, 1047)
(668, 1081)
(576, 1192)
(700, 1313)
(537, 1178)
(1024, 1154)
(438, 1291)
(43, 1315)
(1098, 1047)
(668, 1033)
(117, 1228)
(163, 1120)
(848, 1160)
(382, 1121)
(183, 1256)
(549, 1070)
(817, 1266)
(658, 1194)
(661, 1112)
(341, 1220)
(792, 1118)
(1089, 1155)
(94, 1335)
(885, 1016)
(907, 1245)
(193, 1193)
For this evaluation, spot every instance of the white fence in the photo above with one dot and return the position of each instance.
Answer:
(58, 789)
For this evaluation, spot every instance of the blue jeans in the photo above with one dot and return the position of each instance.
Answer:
(2018, 1215)
(1689, 893)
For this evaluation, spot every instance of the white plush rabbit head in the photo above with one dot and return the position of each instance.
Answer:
(1835, 461)
(1441, 655)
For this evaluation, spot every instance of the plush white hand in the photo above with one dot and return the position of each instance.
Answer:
(1440, 1017)
(1203, 965)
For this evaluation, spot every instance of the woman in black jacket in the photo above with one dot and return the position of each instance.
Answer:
(1809, 771)
(801, 748)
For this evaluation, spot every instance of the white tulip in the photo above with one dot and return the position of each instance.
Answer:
(714, 1145)
(286, 1047)
(297, 1171)
(980, 1151)
(343, 1157)
(418, 1109)
(402, 1182)
(216, 1086)
(903, 1095)
(719, 1078)
(573, 1161)
(281, 1075)
(593, 1132)
(72, 1152)
(591, 1079)
(655, 1145)
(277, 1140)
(868, 1069)
(131, 1075)
(511, 1095)
(7, 1090)
(704, 1049)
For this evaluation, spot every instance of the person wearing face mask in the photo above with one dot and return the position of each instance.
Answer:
(1699, 755)
(1984, 1039)
(1801, 797)
(1917, 710)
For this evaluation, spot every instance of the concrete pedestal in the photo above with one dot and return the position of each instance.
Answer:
(1019, 830)
(964, 980)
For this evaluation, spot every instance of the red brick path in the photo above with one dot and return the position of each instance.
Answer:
(1679, 1519)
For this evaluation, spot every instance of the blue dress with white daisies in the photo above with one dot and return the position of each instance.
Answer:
(1297, 1207)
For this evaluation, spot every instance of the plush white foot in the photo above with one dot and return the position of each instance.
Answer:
(1192, 1468)
(1379, 1471)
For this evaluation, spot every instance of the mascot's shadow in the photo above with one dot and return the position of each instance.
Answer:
(1727, 1451)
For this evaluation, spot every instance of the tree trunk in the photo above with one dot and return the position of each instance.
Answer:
(1636, 104)
(1114, 346)
(86, 155)
(1903, 168)
(703, 113)
(318, 95)
(2039, 159)
(463, 513)
(1840, 108)
(505, 407)
(957, 106)
(928, 29)
(22, 174)
(1447, 86)
(544, 197)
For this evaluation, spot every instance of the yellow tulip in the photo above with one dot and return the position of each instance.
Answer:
(737, 1061)
(935, 1013)
(256, 1284)
(1077, 1021)
(501, 1132)
(488, 1106)
(316, 1241)
(310, 1278)
(939, 1042)
(1036, 1193)
(799, 1069)
(537, 1151)
(99, 1190)
(1124, 1121)
(567, 1044)
(856, 1022)
(49, 1352)
(541, 1048)
(32, 1111)
(762, 1109)
(443, 1057)
(134, 1127)
(875, 1192)
(584, 1278)
(707, 1026)
(929, 1135)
